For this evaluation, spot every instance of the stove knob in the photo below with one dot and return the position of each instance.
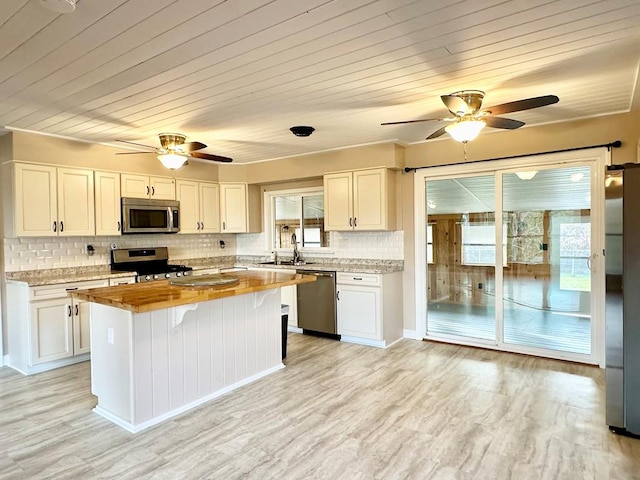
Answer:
(147, 278)
(186, 273)
(179, 274)
(167, 275)
(155, 277)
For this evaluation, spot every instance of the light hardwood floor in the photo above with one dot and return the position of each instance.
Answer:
(338, 411)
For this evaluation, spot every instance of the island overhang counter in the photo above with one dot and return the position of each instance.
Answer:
(158, 350)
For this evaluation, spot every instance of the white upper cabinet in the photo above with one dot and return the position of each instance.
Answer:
(338, 201)
(359, 200)
(142, 186)
(233, 207)
(199, 206)
(240, 208)
(209, 207)
(49, 201)
(76, 207)
(35, 210)
(107, 197)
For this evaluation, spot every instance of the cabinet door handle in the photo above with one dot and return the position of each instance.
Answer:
(147, 189)
(153, 191)
(350, 222)
(202, 226)
(71, 289)
(223, 226)
(355, 222)
(118, 226)
(338, 295)
(76, 310)
(61, 226)
(357, 278)
(55, 226)
(69, 310)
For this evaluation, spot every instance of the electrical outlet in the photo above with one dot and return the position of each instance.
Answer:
(480, 286)
(110, 335)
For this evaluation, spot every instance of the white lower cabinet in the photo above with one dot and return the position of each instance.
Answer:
(47, 328)
(370, 308)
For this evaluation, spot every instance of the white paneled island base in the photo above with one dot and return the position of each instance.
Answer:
(150, 366)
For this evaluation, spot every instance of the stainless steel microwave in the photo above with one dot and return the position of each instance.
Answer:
(141, 215)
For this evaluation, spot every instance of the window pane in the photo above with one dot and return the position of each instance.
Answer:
(302, 215)
(288, 211)
(313, 217)
(461, 295)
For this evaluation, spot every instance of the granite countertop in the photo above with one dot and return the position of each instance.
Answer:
(336, 267)
(346, 265)
(149, 296)
(34, 278)
(53, 276)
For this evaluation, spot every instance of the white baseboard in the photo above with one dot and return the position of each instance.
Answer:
(44, 367)
(135, 428)
(411, 334)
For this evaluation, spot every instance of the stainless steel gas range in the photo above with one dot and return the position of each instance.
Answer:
(149, 263)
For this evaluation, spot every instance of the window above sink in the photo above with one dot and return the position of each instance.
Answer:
(296, 214)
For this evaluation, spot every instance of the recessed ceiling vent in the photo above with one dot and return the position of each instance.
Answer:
(59, 6)
(302, 131)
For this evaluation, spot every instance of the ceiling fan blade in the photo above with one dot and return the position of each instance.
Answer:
(207, 156)
(456, 105)
(437, 133)
(506, 123)
(525, 104)
(138, 144)
(418, 121)
(192, 146)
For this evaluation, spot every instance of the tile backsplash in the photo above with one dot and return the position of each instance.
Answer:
(61, 252)
(365, 245)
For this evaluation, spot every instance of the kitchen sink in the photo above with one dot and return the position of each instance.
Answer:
(287, 262)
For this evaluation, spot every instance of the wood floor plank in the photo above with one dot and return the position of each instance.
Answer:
(416, 410)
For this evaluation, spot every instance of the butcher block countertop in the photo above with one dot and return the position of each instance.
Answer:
(148, 296)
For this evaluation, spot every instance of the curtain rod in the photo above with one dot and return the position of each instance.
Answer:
(616, 144)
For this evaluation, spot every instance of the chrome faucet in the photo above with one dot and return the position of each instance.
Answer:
(296, 253)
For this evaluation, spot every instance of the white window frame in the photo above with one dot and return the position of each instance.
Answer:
(269, 217)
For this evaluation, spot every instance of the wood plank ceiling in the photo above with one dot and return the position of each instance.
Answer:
(237, 74)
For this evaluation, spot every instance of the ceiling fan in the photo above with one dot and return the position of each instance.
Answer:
(174, 151)
(469, 119)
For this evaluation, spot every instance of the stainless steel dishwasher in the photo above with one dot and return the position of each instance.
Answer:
(317, 304)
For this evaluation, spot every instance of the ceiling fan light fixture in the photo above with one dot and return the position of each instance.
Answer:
(526, 175)
(172, 161)
(465, 130)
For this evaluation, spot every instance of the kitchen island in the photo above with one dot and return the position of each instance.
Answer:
(158, 350)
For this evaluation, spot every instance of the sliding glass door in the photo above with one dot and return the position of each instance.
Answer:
(509, 259)
(461, 257)
(547, 279)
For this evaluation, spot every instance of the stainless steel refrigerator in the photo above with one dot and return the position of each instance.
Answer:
(622, 260)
